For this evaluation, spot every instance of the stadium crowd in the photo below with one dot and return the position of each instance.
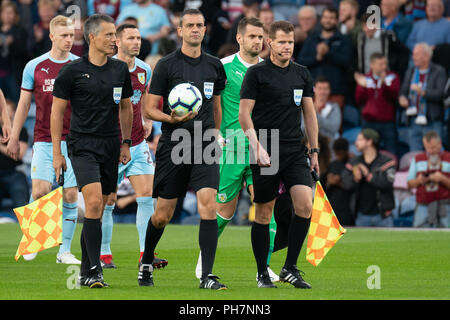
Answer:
(381, 86)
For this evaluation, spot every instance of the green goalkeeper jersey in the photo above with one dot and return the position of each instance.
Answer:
(230, 128)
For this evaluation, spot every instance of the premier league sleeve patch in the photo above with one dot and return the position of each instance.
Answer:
(208, 89)
(117, 94)
(298, 93)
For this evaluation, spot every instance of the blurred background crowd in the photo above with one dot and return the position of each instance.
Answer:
(381, 65)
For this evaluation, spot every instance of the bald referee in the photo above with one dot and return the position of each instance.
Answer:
(274, 95)
(98, 88)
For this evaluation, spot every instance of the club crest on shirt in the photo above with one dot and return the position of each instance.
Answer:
(141, 77)
(298, 93)
(208, 89)
(117, 94)
(222, 197)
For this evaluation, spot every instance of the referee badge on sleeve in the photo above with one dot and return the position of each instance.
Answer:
(117, 94)
(208, 89)
(298, 93)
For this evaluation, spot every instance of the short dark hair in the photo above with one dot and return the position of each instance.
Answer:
(340, 144)
(371, 134)
(190, 12)
(376, 56)
(124, 26)
(92, 24)
(430, 135)
(282, 25)
(332, 10)
(244, 22)
(322, 79)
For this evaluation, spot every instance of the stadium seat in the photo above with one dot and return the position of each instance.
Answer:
(406, 212)
(351, 117)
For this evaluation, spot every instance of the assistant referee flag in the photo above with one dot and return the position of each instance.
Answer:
(324, 230)
(41, 223)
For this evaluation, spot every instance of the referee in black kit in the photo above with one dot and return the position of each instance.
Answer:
(274, 95)
(97, 87)
(188, 64)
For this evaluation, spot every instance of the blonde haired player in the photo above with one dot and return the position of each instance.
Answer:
(38, 79)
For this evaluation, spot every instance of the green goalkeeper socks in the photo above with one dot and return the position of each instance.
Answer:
(221, 223)
(272, 232)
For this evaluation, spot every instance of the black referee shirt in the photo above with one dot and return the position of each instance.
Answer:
(205, 72)
(278, 94)
(94, 93)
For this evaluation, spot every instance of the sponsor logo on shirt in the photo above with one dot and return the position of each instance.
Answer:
(48, 85)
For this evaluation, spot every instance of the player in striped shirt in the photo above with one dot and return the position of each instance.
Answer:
(38, 79)
(140, 169)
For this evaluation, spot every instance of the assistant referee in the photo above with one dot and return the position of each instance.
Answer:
(97, 87)
(274, 95)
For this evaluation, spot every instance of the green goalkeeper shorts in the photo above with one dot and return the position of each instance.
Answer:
(234, 172)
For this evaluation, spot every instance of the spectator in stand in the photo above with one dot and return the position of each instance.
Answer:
(250, 8)
(414, 9)
(371, 176)
(393, 20)
(349, 23)
(5, 119)
(42, 43)
(71, 7)
(13, 51)
(79, 47)
(266, 16)
(328, 53)
(285, 9)
(429, 174)
(328, 113)
(377, 93)
(307, 23)
(321, 5)
(338, 196)
(220, 24)
(372, 41)
(13, 183)
(435, 29)
(422, 95)
(153, 21)
(109, 7)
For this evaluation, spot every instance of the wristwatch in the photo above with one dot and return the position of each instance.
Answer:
(316, 150)
(127, 141)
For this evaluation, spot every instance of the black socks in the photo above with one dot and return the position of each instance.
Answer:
(207, 239)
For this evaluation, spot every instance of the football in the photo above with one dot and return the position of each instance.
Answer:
(185, 97)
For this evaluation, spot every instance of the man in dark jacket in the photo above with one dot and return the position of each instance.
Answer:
(370, 41)
(328, 53)
(371, 176)
(422, 95)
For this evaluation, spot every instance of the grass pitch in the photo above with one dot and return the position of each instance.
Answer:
(406, 264)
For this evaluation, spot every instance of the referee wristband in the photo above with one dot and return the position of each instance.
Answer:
(314, 150)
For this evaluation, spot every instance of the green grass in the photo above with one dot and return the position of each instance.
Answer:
(413, 265)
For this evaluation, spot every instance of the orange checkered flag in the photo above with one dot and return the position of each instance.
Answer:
(324, 230)
(41, 223)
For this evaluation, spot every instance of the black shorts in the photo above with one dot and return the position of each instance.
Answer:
(95, 159)
(294, 169)
(173, 180)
